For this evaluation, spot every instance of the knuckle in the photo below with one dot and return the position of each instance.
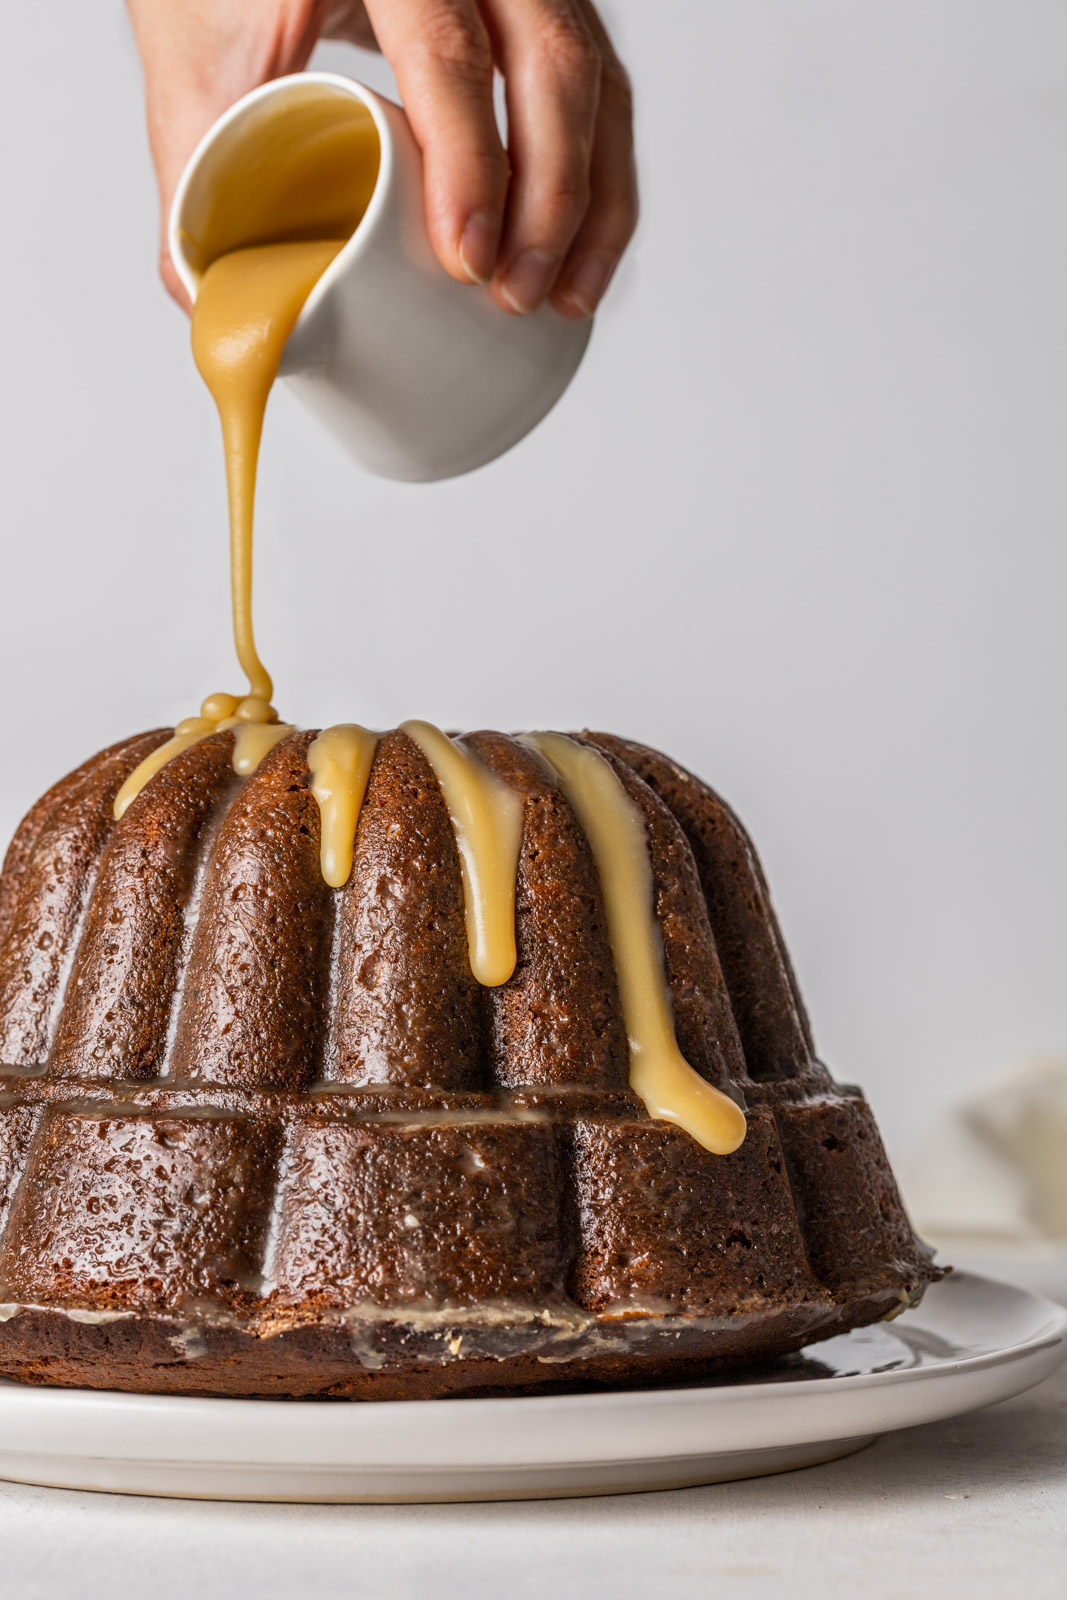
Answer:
(569, 50)
(620, 217)
(611, 222)
(457, 41)
(620, 223)
(564, 207)
(496, 165)
(489, 171)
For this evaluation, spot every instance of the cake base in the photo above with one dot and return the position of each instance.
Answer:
(972, 1342)
(353, 1356)
(370, 1244)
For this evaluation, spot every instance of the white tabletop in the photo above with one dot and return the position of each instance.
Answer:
(974, 1507)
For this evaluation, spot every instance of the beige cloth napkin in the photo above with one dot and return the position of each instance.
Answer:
(996, 1167)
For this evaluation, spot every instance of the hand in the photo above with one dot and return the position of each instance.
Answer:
(546, 219)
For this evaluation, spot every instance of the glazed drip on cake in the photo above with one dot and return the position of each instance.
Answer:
(256, 730)
(339, 761)
(487, 820)
(252, 740)
(659, 1073)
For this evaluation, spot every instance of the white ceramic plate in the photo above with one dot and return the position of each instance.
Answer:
(972, 1341)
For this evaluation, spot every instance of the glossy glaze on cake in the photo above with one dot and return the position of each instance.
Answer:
(259, 1135)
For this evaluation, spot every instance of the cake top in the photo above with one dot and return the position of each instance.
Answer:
(486, 814)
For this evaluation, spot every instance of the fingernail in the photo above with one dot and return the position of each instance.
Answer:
(527, 280)
(477, 246)
(586, 285)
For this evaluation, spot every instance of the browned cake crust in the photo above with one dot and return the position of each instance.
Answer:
(263, 1137)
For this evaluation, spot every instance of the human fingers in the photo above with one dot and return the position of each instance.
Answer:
(552, 66)
(611, 216)
(442, 55)
(348, 19)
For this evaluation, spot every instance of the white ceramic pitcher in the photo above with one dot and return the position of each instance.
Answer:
(420, 376)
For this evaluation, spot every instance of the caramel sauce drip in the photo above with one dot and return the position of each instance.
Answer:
(340, 760)
(245, 310)
(487, 820)
(280, 210)
(613, 824)
(256, 730)
(275, 221)
(253, 740)
(151, 765)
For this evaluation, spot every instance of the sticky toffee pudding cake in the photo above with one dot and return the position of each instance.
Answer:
(404, 1065)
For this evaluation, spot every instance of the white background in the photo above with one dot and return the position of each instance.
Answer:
(800, 521)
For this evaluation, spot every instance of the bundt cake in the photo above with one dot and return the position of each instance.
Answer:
(262, 1135)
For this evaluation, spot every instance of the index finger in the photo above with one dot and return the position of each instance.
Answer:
(443, 59)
